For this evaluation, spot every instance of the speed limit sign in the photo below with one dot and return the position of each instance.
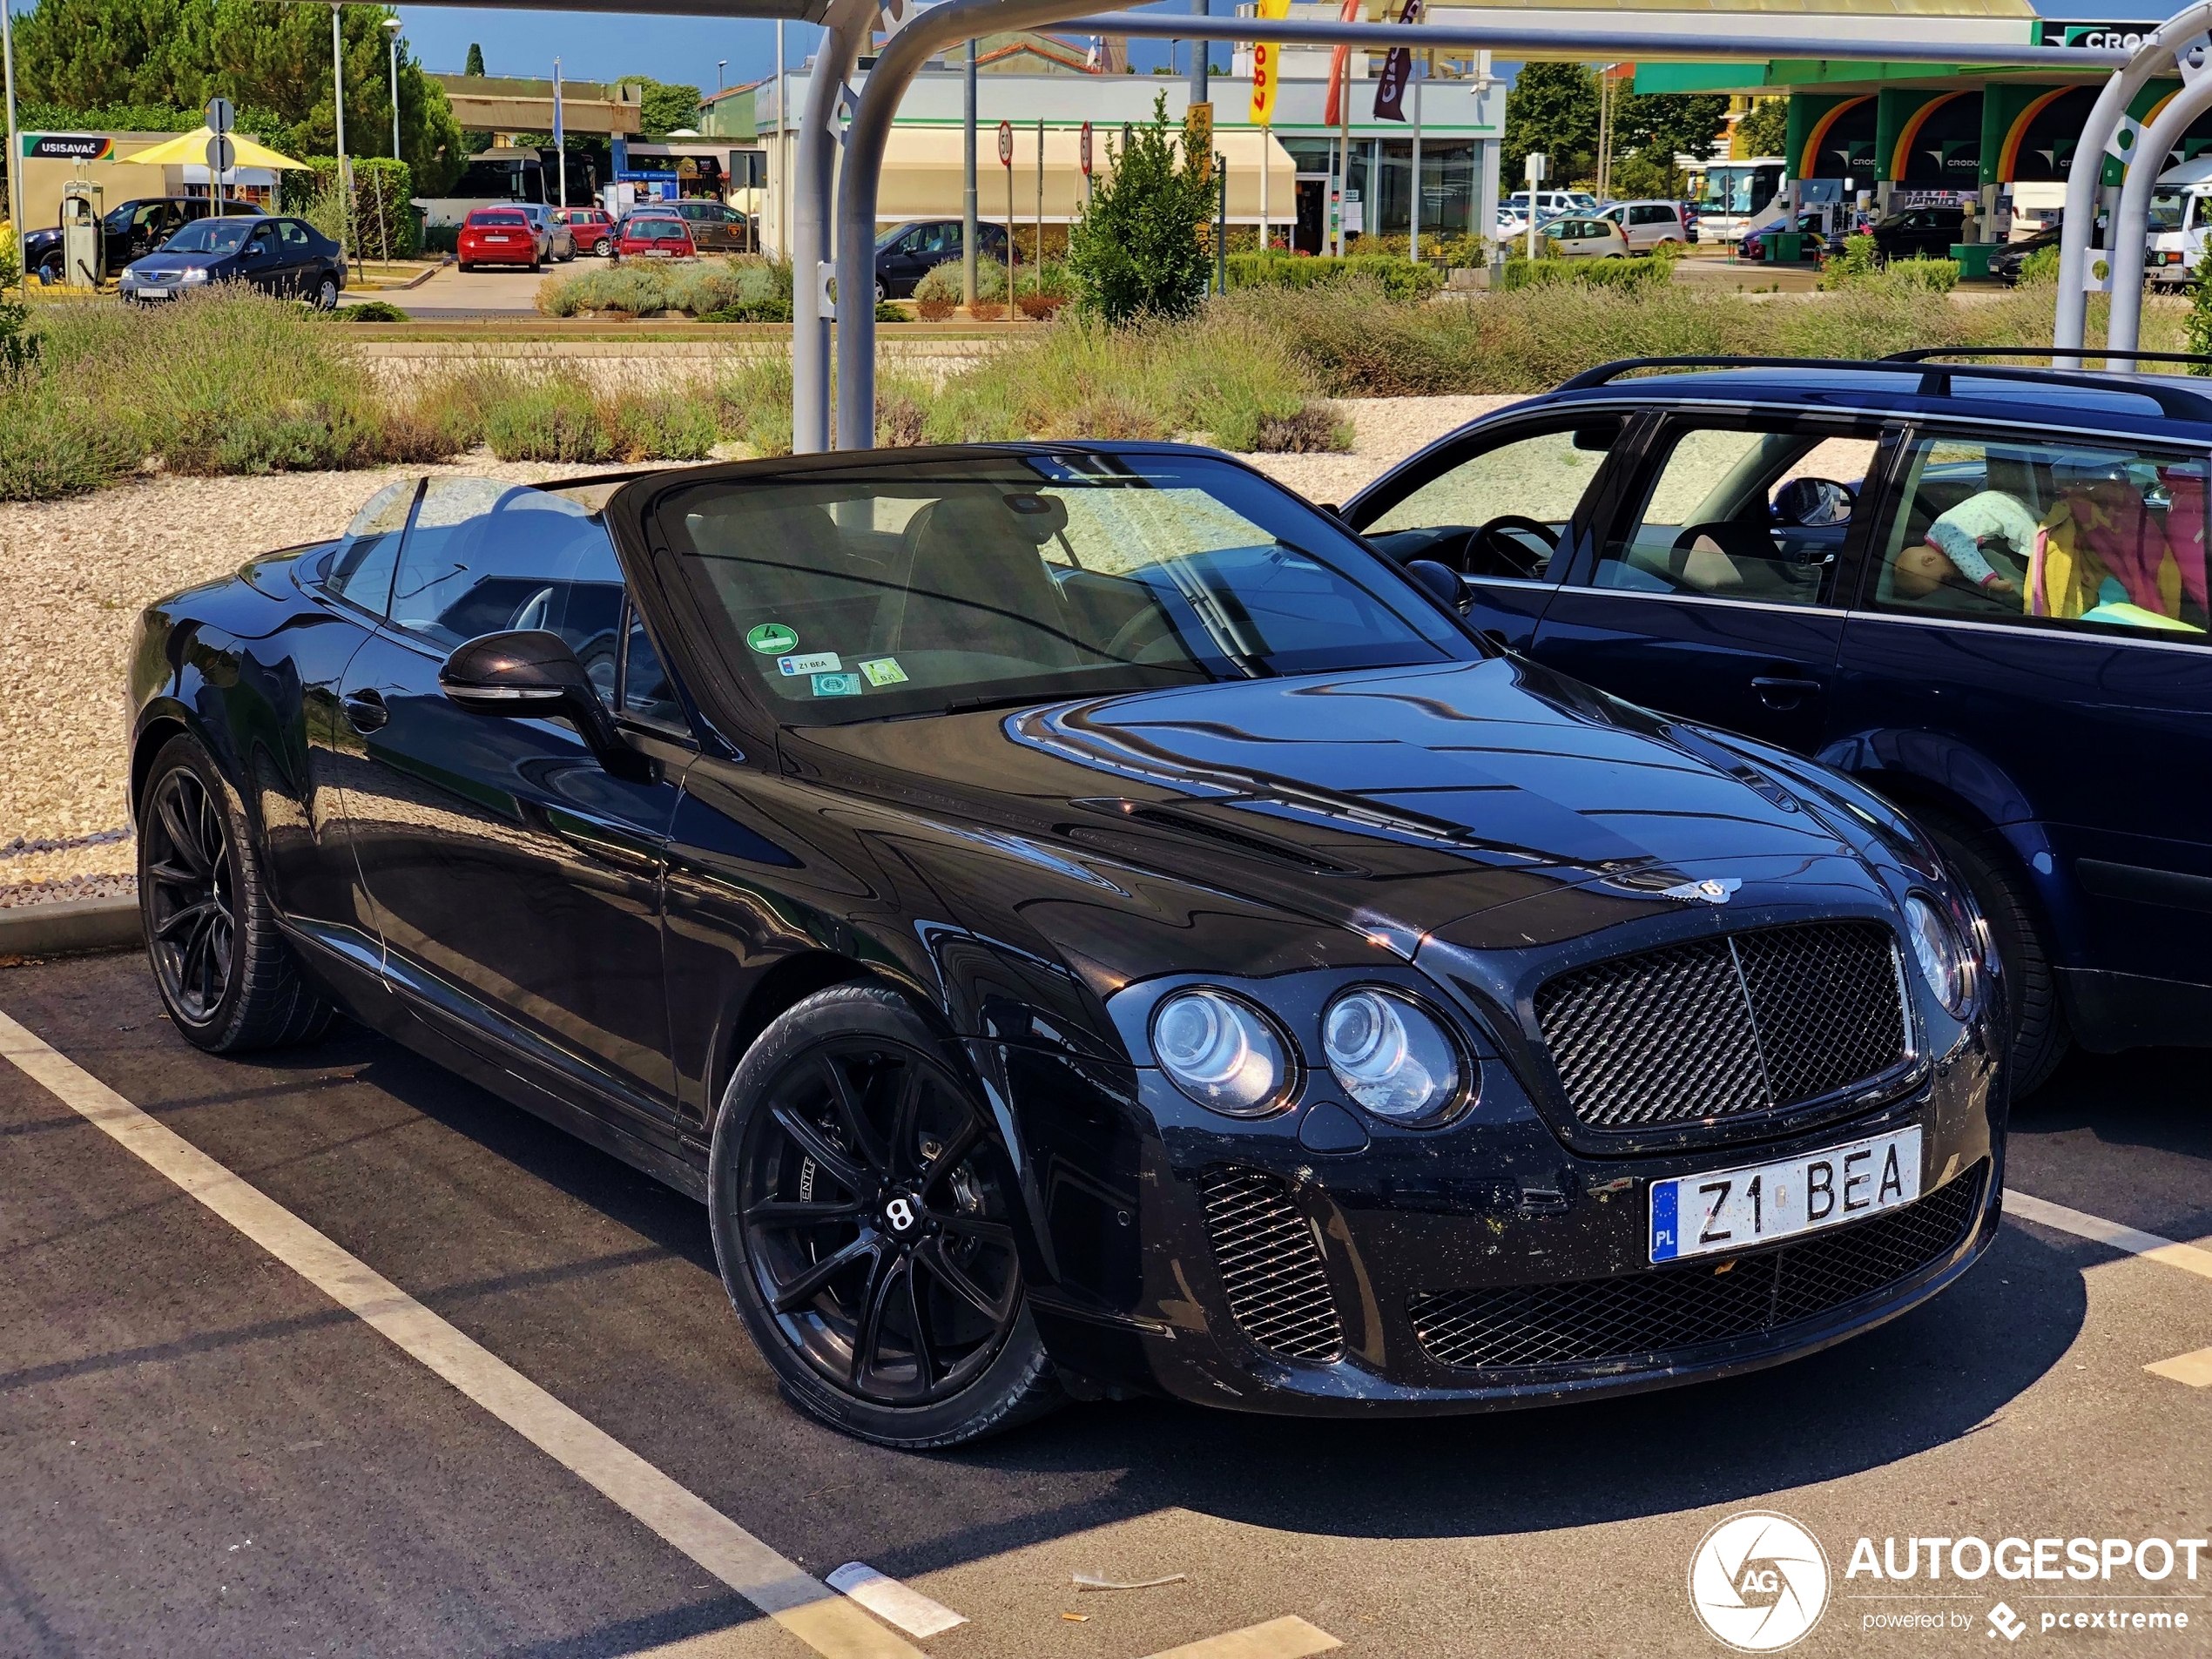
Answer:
(1086, 150)
(1006, 143)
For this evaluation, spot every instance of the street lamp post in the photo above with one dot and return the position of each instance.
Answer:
(392, 27)
(15, 145)
(720, 63)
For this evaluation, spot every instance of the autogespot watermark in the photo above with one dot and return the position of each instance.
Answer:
(1760, 1583)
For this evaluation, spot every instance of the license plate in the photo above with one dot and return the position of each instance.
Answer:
(499, 239)
(1702, 1215)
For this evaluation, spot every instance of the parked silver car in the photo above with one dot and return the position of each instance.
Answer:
(555, 240)
(1647, 224)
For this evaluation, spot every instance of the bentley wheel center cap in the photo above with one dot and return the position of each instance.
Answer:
(902, 1216)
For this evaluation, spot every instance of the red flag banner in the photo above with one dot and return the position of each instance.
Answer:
(1339, 61)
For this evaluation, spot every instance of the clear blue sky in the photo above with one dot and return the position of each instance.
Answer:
(600, 45)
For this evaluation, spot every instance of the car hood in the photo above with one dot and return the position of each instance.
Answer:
(1399, 803)
(161, 262)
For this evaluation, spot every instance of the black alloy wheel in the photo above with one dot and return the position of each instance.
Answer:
(226, 976)
(192, 922)
(863, 1214)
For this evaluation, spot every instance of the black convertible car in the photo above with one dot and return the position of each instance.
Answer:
(1083, 922)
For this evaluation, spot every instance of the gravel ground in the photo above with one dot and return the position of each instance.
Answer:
(75, 574)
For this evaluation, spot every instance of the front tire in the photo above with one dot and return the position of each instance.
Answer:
(326, 293)
(223, 972)
(863, 1209)
(1983, 860)
(602, 248)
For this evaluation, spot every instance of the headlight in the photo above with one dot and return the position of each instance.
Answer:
(193, 273)
(1390, 1057)
(1221, 1052)
(1943, 962)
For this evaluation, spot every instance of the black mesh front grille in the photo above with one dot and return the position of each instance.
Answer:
(1725, 1026)
(1271, 1265)
(1665, 1311)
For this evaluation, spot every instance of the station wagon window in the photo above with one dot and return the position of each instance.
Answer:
(1525, 489)
(1741, 511)
(2093, 537)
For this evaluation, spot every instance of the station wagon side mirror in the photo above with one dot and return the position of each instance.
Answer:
(1812, 503)
(532, 674)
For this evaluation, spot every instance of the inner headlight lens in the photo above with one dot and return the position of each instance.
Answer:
(1943, 962)
(1220, 1052)
(194, 274)
(1390, 1057)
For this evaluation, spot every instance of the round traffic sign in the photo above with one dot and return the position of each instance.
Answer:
(222, 154)
(221, 118)
(1086, 150)
(1006, 143)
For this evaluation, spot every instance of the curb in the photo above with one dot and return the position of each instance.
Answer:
(69, 925)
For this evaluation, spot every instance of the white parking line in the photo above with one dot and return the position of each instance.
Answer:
(1291, 1638)
(892, 1602)
(2195, 1369)
(824, 1620)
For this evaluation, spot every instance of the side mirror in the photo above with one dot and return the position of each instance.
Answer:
(532, 674)
(1812, 503)
(1441, 581)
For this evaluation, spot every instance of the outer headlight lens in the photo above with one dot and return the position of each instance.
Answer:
(1943, 961)
(193, 273)
(1221, 1052)
(1390, 1057)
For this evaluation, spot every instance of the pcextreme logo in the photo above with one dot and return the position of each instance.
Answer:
(1759, 1583)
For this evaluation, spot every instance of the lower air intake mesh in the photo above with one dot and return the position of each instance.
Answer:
(1271, 1265)
(1667, 1310)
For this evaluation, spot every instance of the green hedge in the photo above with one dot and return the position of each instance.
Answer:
(1631, 273)
(1400, 278)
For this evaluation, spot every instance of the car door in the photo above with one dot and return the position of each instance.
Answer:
(298, 251)
(515, 880)
(1698, 599)
(2031, 642)
(262, 259)
(1497, 503)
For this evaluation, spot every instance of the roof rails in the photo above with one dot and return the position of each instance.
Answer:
(2175, 401)
(1928, 354)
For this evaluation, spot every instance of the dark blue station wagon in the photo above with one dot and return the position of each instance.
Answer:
(1980, 589)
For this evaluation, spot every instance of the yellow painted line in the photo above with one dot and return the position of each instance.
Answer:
(2195, 1369)
(827, 1622)
(2188, 1258)
(1291, 1638)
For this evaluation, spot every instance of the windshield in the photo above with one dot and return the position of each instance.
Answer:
(512, 221)
(917, 589)
(2166, 207)
(210, 236)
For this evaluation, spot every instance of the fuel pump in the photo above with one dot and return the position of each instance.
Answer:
(83, 249)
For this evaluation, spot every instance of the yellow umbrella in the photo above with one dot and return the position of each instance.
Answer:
(190, 150)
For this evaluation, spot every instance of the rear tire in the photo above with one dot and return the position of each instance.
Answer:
(226, 976)
(1983, 861)
(849, 1134)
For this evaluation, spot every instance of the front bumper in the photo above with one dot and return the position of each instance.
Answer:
(1233, 1264)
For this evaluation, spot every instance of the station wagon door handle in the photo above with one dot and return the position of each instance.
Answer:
(1779, 693)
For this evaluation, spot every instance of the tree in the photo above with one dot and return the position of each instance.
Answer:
(664, 106)
(1136, 252)
(475, 64)
(1765, 131)
(263, 55)
(1670, 123)
(1552, 108)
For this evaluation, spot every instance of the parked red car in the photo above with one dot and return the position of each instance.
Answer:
(593, 228)
(661, 235)
(497, 236)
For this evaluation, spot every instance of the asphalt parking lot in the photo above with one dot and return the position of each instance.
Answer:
(205, 1452)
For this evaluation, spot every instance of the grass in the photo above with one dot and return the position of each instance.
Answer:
(233, 381)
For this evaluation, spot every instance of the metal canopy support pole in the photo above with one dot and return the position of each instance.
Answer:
(2154, 57)
(338, 97)
(1413, 201)
(927, 32)
(969, 229)
(844, 33)
(15, 143)
(1201, 57)
(2131, 222)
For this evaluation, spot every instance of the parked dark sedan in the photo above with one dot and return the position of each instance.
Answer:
(1918, 233)
(2005, 263)
(280, 256)
(1981, 591)
(130, 230)
(1082, 922)
(906, 253)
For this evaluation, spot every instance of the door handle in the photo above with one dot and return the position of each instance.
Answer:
(365, 711)
(1781, 692)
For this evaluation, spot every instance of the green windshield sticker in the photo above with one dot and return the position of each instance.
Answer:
(884, 670)
(772, 638)
(837, 685)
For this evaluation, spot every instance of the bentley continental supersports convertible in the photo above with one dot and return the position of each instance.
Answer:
(1083, 922)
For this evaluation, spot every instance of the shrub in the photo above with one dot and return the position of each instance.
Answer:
(947, 282)
(1936, 276)
(1136, 252)
(2040, 269)
(751, 399)
(1400, 277)
(660, 425)
(370, 311)
(740, 289)
(888, 311)
(2196, 328)
(54, 440)
(933, 309)
(546, 417)
(1855, 262)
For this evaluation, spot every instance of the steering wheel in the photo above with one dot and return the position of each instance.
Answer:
(1514, 541)
(1139, 635)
